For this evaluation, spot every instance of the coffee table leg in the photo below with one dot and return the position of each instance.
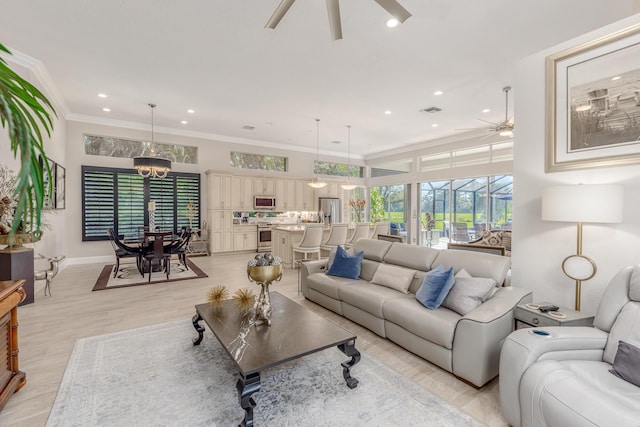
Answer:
(349, 348)
(246, 386)
(199, 329)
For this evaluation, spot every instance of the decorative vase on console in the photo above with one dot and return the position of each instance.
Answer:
(263, 270)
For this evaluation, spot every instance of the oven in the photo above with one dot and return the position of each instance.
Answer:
(264, 237)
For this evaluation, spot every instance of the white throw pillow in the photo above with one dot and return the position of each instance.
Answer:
(394, 277)
(468, 293)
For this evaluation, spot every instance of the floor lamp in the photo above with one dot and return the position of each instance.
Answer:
(579, 204)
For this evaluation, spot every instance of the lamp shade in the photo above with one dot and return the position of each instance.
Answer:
(583, 203)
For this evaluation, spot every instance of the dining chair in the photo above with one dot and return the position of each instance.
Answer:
(460, 232)
(360, 232)
(337, 236)
(155, 254)
(123, 251)
(179, 247)
(380, 228)
(310, 243)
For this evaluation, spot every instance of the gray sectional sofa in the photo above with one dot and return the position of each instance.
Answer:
(467, 346)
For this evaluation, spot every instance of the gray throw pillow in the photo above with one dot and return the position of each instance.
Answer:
(626, 364)
(468, 293)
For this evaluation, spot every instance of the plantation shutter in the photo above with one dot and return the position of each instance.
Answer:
(162, 191)
(98, 207)
(131, 207)
(188, 199)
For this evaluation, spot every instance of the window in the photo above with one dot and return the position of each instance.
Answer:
(389, 203)
(119, 147)
(119, 199)
(480, 155)
(391, 168)
(337, 169)
(258, 161)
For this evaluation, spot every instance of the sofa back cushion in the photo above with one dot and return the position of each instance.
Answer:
(411, 256)
(615, 296)
(394, 277)
(626, 328)
(368, 269)
(374, 250)
(478, 264)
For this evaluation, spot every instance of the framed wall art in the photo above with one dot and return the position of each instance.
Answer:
(593, 103)
(49, 197)
(60, 174)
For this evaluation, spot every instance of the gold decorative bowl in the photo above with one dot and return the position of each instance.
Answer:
(265, 274)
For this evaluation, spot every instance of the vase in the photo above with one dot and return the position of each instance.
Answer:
(264, 276)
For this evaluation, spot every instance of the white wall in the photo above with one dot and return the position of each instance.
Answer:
(540, 247)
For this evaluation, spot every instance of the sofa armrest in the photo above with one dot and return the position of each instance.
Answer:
(310, 267)
(522, 348)
(479, 336)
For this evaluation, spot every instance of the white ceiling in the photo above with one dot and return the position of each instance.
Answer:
(216, 57)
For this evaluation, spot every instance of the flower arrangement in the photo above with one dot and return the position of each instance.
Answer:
(358, 208)
(428, 222)
(9, 205)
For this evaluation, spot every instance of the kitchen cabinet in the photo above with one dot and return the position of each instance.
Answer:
(304, 197)
(219, 189)
(242, 193)
(286, 195)
(221, 230)
(245, 238)
(264, 186)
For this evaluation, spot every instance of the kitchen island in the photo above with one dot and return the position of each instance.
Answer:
(284, 236)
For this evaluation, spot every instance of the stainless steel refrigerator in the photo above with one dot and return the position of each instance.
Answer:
(330, 212)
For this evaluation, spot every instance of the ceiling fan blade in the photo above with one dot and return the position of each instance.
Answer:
(395, 9)
(491, 123)
(333, 9)
(279, 13)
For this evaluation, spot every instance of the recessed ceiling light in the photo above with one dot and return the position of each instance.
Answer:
(438, 92)
(106, 109)
(486, 110)
(102, 95)
(392, 23)
(388, 112)
(616, 78)
(435, 125)
(184, 122)
(190, 111)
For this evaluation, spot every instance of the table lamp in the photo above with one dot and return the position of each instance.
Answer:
(582, 203)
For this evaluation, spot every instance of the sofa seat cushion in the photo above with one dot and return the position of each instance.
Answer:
(368, 297)
(580, 392)
(437, 326)
(328, 285)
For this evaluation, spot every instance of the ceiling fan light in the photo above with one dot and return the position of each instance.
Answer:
(506, 132)
(392, 22)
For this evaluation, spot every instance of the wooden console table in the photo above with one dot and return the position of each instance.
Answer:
(11, 378)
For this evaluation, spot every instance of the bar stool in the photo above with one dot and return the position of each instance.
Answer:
(310, 243)
(361, 232)
(337, 236)
(380, 228)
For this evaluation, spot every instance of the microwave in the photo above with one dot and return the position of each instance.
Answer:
(264, 202)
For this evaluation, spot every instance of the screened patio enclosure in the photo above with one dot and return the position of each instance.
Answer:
(459, 210)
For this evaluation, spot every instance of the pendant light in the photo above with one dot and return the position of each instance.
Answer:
(348, 186)
(315, 182)
(153, 167)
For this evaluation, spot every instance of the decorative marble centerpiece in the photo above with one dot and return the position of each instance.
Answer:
(263, 270)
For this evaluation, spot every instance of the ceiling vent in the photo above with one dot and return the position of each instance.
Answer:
(431, 110)
(247, 127)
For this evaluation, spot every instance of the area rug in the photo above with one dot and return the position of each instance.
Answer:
(130, 276)
(154, 376)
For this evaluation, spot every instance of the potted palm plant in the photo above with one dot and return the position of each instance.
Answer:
(26, 113)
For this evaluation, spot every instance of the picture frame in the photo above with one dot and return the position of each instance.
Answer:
(593, 103)
(49, 198)
(60, 186)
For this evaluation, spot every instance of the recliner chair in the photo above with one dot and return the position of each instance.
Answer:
(563, 379)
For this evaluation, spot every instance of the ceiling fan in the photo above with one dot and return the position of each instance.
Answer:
(333, 8)
(504, 128)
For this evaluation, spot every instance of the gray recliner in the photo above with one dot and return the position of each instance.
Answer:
(564, 379)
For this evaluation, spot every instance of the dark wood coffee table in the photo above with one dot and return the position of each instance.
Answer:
(294, 332)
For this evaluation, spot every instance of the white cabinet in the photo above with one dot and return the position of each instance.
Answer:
(245, 238)
(285, 195)
(242, 193)
(219, 188)
(264, 186)
(221, 230)
(304, 196)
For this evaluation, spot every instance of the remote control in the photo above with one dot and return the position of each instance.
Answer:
(547, 308)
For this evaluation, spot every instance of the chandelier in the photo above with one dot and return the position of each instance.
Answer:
(152, 167)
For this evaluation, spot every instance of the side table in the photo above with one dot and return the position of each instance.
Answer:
(534, 317)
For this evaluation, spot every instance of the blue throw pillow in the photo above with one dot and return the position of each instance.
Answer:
(345, 265)
(436, 285)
